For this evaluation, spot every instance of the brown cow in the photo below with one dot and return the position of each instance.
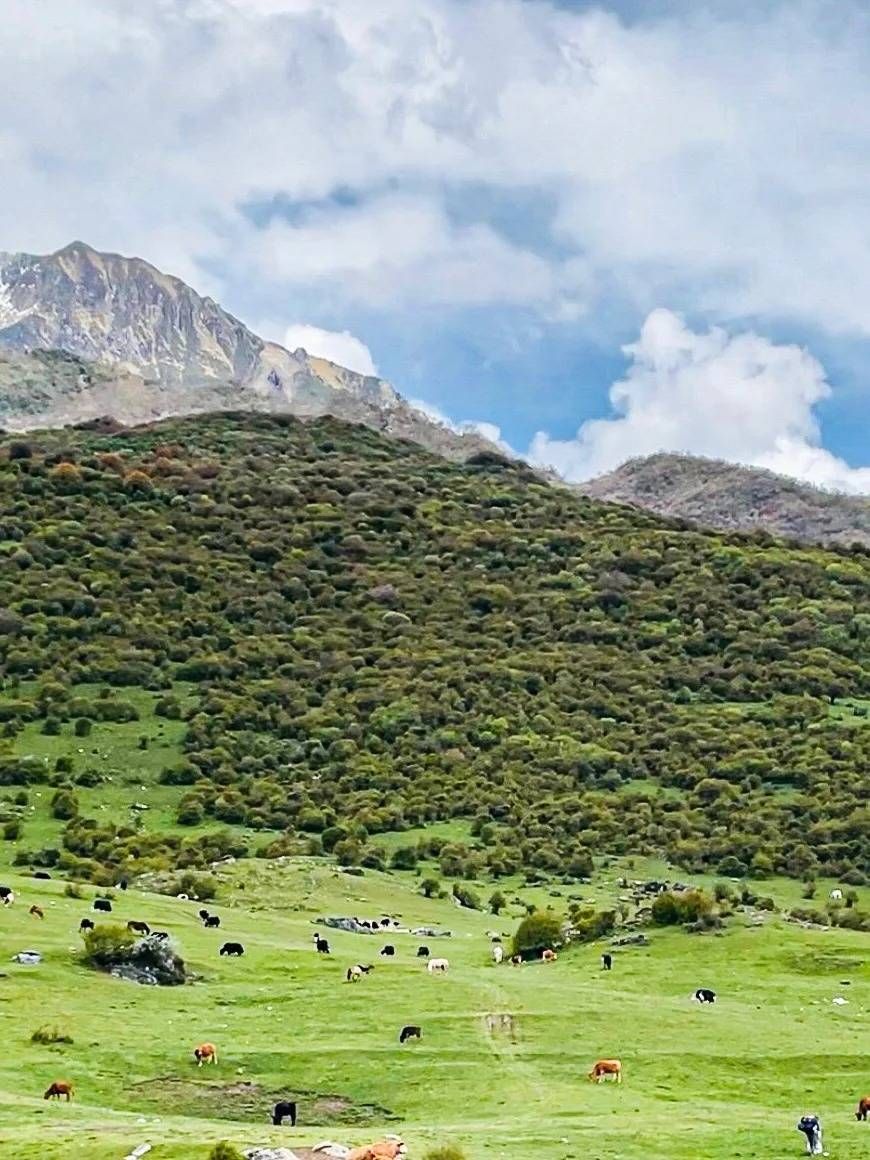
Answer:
(380, 1150)
(60, 1087)
(604, 1068)
(205, 1053)
(863, 1108)
(36, 911)
(549, 956)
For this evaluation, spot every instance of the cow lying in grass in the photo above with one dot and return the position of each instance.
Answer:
(410, 1032)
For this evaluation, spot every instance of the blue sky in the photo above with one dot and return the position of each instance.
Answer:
(600, 230)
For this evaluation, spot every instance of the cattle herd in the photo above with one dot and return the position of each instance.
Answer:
(392, 1147)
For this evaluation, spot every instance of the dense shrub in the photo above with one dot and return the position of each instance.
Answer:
(536, 933)
(48, 1034)
(683, 906)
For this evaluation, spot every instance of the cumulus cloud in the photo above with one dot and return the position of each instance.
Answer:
(340, 347)
(741, 397)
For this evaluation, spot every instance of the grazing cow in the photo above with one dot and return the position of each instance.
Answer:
(102, 904)
(422, 952)
(863, 1108)
(212, 921)
(36, 911)
(86, 924)
(497, 953)
(410, 1032)
(282, 1110)
(321, 944)
(388, 950)
(203, 914)
(232, 948)
(836, 896)
(441, 966)
(607, 962)
(549, 956)
(604, 1068)
(138, 927)
(5, 891)
(516, 960)
(205, 1053)
(705, 995)
(385, 922)
(8, 897)
(354, 974)
(811, 1127)
(60, 1087)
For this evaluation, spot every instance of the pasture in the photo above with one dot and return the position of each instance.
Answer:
(728, 1080)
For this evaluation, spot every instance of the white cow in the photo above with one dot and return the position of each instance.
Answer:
(497, 954)
(441, 966)
(836, 896)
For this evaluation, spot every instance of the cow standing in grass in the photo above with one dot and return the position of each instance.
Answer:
(811, 1126)
(604, 1069)
(60, 1088)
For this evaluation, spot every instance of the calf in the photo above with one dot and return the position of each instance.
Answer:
(549, 956)
(232, 948)
(60, 1087)
(410, 1032)
(381, 1150)
(388, 950)
(497, 953)
(811, 1127)
(212, 921)
(205, 1053)
(102, 904)
(441, 966)
(138, 927)
(863, 1108)
(203, 914)
(705, 995)
(603, 1069)
(606, 962)
(282, 1110)
(36, 911)
(516, 960)
(422, 952)
(86, 924)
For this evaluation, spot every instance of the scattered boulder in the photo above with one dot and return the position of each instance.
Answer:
(630, 940)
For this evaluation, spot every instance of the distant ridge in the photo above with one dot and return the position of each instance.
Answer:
(146, 346)
(716, 494)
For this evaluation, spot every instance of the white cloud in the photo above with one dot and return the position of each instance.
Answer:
(741, 398)
(338, 346)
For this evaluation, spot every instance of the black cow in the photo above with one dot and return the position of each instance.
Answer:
(41, 874)
(5, 891)
(212, 921)
(123, 883)
(138, 927)
(812, 1128)
(385, 922)
(388, 950)
(704, 995)
(203, 914)
(410, 1032)
(322, 945)
(160, 935)
(86, 924)
(422, 952)
(102, 904)
(607, 961)
(282, 1110)
(232, 948)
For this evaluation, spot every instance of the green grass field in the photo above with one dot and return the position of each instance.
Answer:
(723, 1081)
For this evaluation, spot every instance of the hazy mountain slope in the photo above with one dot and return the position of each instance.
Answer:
(728, 496)
(165, 350)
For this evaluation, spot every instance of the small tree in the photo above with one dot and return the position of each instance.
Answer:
(64, 805)
(536, 933)
(496, 902)
(465, 896)
(430, 887)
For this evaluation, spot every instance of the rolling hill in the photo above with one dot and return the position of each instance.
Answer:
(715, 494)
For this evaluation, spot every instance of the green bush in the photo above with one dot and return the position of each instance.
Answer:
(107, 944)
(466, 896)
(225, 1151)
(64, 805)
(589, 924)
(673, 908)
(536, 933)
(48, 1034)
(444, 1152)
(12, 830)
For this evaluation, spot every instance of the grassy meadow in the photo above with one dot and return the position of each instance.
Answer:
(722, 1081)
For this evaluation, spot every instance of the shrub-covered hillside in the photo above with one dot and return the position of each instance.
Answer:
(369, 639)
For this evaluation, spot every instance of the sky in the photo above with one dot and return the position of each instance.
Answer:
(594, 230)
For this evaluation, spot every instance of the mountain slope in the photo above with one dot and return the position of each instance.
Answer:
(353, 636)
(723, 495)
(162, 349)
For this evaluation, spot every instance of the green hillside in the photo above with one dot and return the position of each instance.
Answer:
(291, 638)
(713, 1082)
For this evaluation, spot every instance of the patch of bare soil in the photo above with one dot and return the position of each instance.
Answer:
(250, 1103)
